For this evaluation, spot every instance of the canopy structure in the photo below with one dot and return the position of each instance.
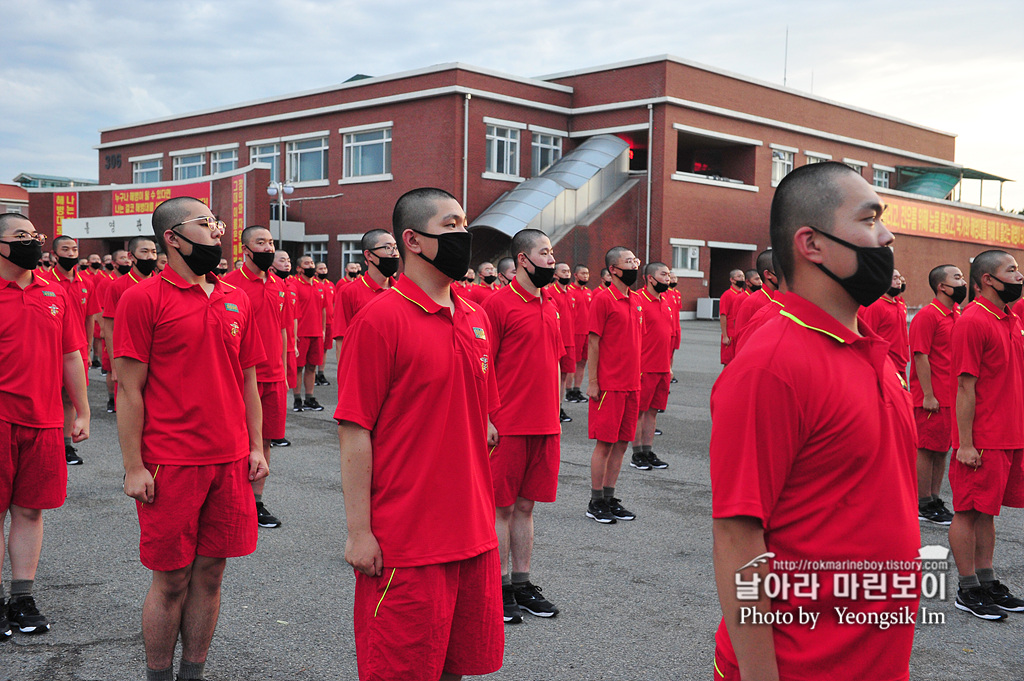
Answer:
(939, 182)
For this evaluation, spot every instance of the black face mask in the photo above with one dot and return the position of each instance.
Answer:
(67, 264)
(124, 269)
(352, 275)
(109, 266)
(582, 283)
(564, 282)
(607, 284)
(659, 287)
(263, 261)
(309, 271)
(490, 279)
(454, 250)
(387, 266)
(1010, 292)
(959, 293)
(754, 289)
(321, 276)
(541, 276)
(673, 284)
(96, 265)
(894, 291)
(873, 275)
(284, 274)
(146, 266)
(83, 268)
(25, 255)
(628, 277)
(203, 259)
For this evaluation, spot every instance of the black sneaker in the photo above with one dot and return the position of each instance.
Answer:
(111, 406)
(71, 456)
(674, 380)
(638, 460)
(942, 512)
(563, 417)
(657, 431)
(529, 599)
(298, 404)
(280, 442)
(1002, 598)
(978, 602)
(320, 379)
(580, 397)
(22, 612)
(618, 510)
(933, 513)
(655, 462)
(311, 404)
(5, 624)
(96, 364)
(599, 511)
(265, 518)
(512, 613)
(570, 395)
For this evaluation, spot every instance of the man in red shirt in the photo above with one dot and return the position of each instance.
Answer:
(329, 293)
(675, 299)
(616, 325)
(352, 272)
(566, 314)
(282, 268)
(728, 304)
(381, 254)
(987, 471)
(420, 516)
(79, 290)
(580, 320)
(527, 344)
(189, 457)
(40, 329)
(269, 299)
(655, 367)
(931, 384)
(311, 312)
(887, 317)
(763, 295)
(488, 285)
(506, 270)
(794, 470)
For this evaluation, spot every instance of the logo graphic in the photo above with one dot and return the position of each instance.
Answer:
(234, 327)
(933, 552)
(479, 333)
(230, 307)
(54, 310)
(49, 294)
(483, 364)
(757, 561)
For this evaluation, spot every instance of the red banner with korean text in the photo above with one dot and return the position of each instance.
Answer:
(65, 207)
(142, 201)
(237, 216)
(915, 218)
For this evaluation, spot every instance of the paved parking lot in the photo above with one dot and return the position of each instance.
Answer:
(638, 599)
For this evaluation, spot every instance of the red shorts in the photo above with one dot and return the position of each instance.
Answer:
(197, 511)
(934, 429)
(999, 481)
(653, 390)
(525, 466)
(105, 357)
(724, 669)
(727, 352)
(582, 348)
(274, 398)
(567, 364)
(311, 351)
(33, 471)
(292, 371)
(612, 418)
(413, 623)
(676, 339)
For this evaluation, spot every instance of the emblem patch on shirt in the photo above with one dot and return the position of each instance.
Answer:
(234, 328)
(479, 333)
(483, 364)
(49, 294)
(54, 310)
(230, 307)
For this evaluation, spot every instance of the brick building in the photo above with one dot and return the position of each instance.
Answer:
(673, 159)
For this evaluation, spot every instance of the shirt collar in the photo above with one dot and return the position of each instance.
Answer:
(647, 295)
(368, 281)
(615, 293)
(172, 277)
(409, 290)
(1000, 313)
(524, 294)
(36, 281)
(943, 310)
(810, 316)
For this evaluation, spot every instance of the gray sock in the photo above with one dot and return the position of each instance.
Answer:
(259, 498)
(609, 492)
(21, 587)
(520, 577)
(637, 449)
(506, 580)
(647, 449)
(969, 582)
(68, 442)
(160, 674)
(986, 575)
(596, 494)
(190, 670)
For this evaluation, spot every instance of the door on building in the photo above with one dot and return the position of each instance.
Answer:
(725, 260)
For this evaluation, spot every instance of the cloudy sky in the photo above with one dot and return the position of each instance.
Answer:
(68, 69)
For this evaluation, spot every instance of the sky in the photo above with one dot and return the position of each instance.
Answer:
(68, 69)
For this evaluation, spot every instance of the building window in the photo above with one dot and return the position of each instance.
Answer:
(686, 258)
(782, 164)
(223, 161)
(307, 160)
(189, 167)
(881, 178)
(546, 150)
(367, 153)
(316, 250)
(13, 209)
(816, 158)
(145, 172)
(857, 166)
(351, 251)
(266, 153)
(502, 151)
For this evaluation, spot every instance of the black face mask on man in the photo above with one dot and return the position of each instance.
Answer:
(386, 266)
(454, 250)
(540, 276)
(67, 264)
(262, 261)
(203, 259)
(25, 254)
(1010, 292)
(958, 294)
(146, 266)
(628, 277)
(873, 275)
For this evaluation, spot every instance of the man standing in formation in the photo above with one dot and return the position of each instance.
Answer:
(887, 317)
(581, 296)
(655, 366)
(728, 304)
(323, 280)
(381, 255)
(311, 312)
(565, 302)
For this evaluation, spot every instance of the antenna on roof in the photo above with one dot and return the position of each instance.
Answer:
(785, 59)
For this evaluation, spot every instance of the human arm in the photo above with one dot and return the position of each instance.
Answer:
(284, 350)
(966, 401)
(107, 331)
(74, 385)
(254, 423)
(924, 377)
(361, 548)
(593, 352)
(131, 411)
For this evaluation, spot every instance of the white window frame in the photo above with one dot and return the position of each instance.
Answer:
(685, 248)
(783, 159)
(222, 157)
(293, 158)
(886, 173)
(351, 249)
(503, 139)
(316, 250)
(351, 148)
(856, 165)
(539, 143)
(816, 157)
(256, 157)
(184, 164)
(144, 165)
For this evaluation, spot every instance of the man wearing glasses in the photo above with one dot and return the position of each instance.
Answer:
(40, 329)
(381, 254)
(190, 469)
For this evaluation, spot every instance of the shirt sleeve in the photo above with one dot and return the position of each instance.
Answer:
(968, 348)
(365, 374)
(92, 303)
(922, 332)
(340, 321)
(133, 328)
(72, 332)
(598, 314)
(250, 348)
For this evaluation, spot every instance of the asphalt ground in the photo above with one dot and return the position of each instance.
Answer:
(637, 599)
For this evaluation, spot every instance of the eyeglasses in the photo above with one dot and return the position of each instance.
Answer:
(212, 224)
(25, 237)
(389, 249)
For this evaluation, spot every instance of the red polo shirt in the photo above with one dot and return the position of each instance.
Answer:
(309, 299)
(196, 348)
(813, 433)
(269, 300)
(351, 299)
(565, 304)
(988, 344)
(581, 307)
(420, 378)
(618, 319)
(80, 290)
(931, 333)
(527, 345)
(38, 326)
(329, 294)
(758, 319)
(728, 305)
(115, 291)
(480, 292)
(749, 305)
(887, 317)
(656, 355)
